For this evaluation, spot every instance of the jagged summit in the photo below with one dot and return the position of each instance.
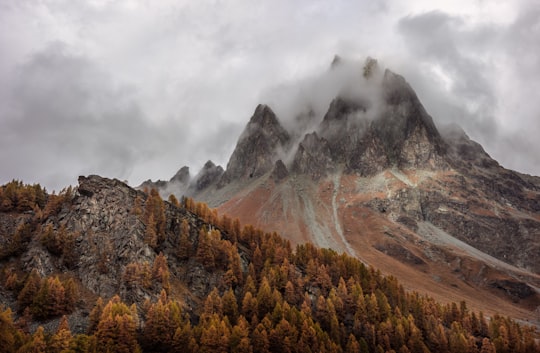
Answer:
(182, 176)
(375, 122)
(342, 126)
(377, 141)
(406, 130)
(405, 113)
(369, 134)
(258, 148)
(313, 157)
(377, 125)
(264, 120)
(368, 173)
(209, 175)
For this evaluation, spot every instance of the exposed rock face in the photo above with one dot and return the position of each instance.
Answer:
(379, 181)
(400, 135)
(209, 175)
(313, 157)
(342, 127)
(280, 171)
(107, 218)
(182, 176)
(368, 156)
(258, 148)
(104, 218)
(179, 182)
(408, 133)
(515, 289)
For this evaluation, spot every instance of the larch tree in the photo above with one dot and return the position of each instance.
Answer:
(116, 330)
(61, 340)
(239, 341)
(184, 242)
(30, 289)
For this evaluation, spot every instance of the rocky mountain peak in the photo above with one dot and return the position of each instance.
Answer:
(341, 125)
(407, 131)
(209, 174)
(95, 184)
(280, 171)
(340, 108)
(463, 151)
(182, 176)
(313, 157)
(259, 146)
(264, 120)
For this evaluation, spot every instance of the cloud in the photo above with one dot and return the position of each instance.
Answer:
(480, 75)
(134, 90)
(65, 116)
(302, 104)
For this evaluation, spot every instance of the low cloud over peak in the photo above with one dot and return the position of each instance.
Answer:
(134, 90)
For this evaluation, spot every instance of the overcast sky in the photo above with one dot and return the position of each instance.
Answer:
(137, 89)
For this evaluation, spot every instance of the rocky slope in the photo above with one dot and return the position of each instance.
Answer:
(100, 240)
(376, 179)
(105, 268)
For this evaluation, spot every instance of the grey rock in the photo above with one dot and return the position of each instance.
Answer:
(182, 176)
(208, 175)
(280, 171)
(258, 148)
(313, 157)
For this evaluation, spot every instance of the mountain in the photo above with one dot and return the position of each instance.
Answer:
(375, 178)
(395, 237)
(106, 268)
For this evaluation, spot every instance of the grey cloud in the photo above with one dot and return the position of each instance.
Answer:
(143, 88)
(67, 117)
(438, 38)
(487, 67)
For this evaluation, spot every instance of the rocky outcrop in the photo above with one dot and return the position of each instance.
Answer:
(407, 133)
(342, 127)
(209, 175)
(514, 289)
(111, 233)
(259, 146)
(181, 177)
(398, 133)
(399, 164)
(178, 184)
(108, 221)
(313, 157)
(280, 171)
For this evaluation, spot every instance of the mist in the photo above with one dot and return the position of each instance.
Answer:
(135, 90)
(301, 105)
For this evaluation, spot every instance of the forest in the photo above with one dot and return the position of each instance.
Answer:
(271, 297)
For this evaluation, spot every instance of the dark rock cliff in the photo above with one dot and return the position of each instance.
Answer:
(258, 148)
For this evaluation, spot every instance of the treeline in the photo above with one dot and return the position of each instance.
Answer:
(20, 197)
(42, 298)
(16, 196)
(37, 206)
(270, 298)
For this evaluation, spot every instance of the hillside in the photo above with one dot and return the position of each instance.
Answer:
(106, 268)
(372, 175)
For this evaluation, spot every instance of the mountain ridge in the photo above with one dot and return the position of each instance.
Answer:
(376, 179)
(104, 267)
